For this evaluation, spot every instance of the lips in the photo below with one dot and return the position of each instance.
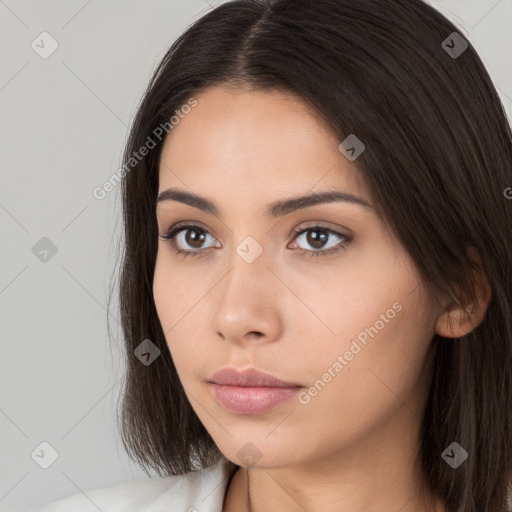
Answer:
(250, 391)
(251, 400)
(249, 377)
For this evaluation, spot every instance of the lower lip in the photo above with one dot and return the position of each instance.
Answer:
(251, 400)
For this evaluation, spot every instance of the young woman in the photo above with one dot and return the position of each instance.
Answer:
(316, 280)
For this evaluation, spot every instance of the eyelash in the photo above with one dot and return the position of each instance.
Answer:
(175, 230)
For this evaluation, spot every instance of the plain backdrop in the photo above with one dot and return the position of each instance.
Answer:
(64, 120)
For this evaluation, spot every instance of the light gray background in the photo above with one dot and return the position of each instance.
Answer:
(64, 121)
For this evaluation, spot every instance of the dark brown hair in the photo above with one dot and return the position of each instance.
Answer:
(437, 162)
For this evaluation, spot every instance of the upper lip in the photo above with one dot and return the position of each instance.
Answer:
(248, 377)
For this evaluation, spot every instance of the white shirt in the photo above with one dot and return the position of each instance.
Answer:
(198, 491)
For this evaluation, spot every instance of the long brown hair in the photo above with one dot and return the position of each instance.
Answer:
(438, 162)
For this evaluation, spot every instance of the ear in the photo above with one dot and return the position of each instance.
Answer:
(457, 319)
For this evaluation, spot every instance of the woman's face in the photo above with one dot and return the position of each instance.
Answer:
(345, 316)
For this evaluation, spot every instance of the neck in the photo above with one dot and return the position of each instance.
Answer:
(373, 474)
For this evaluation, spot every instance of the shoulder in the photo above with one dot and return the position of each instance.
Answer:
(199, 490)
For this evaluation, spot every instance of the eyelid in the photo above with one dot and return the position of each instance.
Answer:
(186, 224)
(177, 228)
(324, 225)
(297, 230)
(346, 239)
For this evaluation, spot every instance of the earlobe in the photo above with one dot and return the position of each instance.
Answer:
(458, 320)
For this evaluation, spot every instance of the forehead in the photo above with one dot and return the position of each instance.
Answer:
(254, 143)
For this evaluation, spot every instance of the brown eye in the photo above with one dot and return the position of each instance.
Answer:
(317, 237)
(195, 237)
(188, 239)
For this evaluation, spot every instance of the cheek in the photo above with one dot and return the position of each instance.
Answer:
(173, 293)
(377, 326)
(348, 299)
(380, 297)
(166, 293)
(373, 364)
(162, 292)
(176, 300)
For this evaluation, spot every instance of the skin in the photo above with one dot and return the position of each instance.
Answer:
(352, 447)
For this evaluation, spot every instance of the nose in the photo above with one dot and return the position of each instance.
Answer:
(248, 305)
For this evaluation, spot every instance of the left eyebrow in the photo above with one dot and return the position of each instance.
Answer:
(275, 209)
